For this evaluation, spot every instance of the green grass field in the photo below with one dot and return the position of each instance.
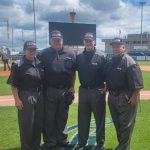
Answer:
(5, 89)
(146, 79)
(144, 63)
(9, 134)
(1, 68)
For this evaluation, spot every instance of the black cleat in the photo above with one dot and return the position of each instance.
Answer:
(64, 144)
(79, 147)
(99, 148)
(44, 147)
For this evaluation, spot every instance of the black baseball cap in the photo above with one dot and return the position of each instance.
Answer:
(29, 45)
(55, 34)
(117, 41)
(89, 36)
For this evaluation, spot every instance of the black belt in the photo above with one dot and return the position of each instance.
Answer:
(117, 93)
(34, 89)
(91, 87)
(59, 87)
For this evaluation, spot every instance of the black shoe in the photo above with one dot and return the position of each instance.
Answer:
(45, 147)
(64, 144)
(99, 148)
(79, 147)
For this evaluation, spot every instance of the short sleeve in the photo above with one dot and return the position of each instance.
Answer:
(13, 79)
(134, 77)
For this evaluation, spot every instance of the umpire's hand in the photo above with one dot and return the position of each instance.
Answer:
(18, 104)
(72, 90)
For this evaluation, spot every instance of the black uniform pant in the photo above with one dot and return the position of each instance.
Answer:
(91, 100)
(123, 115)
(6, 64)
(30, 119)
(56, 116)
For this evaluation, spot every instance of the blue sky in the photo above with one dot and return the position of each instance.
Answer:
(110, 16)
(136, 2)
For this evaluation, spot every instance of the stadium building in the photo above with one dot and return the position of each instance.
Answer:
(137, 47)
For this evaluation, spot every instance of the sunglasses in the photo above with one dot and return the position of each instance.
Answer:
(31, 49)
(88, 40)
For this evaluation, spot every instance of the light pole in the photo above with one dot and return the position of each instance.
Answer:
(73, 16)
(142, 4)
(22, 34)
(46, 39)
(34, 22)
(7, 29)
(12, 42)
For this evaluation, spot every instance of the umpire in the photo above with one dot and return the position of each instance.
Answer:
(59, 64)
(26, 81)
(90, 66)
(5, 60)
(124, 81)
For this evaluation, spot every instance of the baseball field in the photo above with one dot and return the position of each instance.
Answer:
(9, 134)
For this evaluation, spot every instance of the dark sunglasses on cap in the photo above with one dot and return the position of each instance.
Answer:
(31, 49)
(88, 40)
(56, 39)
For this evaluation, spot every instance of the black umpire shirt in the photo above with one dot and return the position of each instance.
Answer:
(26, 74)
(59, 67)
(122, 73)
(90, 66)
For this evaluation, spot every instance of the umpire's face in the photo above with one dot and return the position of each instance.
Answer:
(56, 43)
(118, 49)
(89, 43)
(30, 53)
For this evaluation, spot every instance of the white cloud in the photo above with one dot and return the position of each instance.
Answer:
(109, 16)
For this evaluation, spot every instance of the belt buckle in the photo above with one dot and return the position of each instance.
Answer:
(88, 88)
(60, 87)
(38, 89)
(101, 91)
(115, 93)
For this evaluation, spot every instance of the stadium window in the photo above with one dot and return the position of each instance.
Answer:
(144, 36)
(144, 42)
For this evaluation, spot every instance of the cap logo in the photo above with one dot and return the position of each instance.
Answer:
(117, 40)
(30, 43)
(56, 34)
(89, 35)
